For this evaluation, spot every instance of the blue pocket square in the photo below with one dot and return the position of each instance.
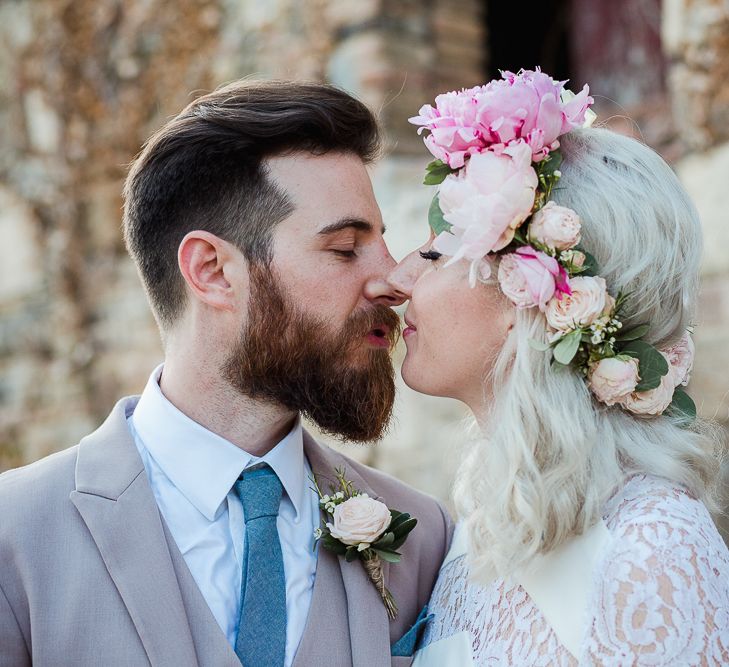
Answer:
(405, 646)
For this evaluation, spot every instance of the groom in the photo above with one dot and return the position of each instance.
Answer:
(181, 531)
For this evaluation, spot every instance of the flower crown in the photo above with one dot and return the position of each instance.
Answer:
(497, 161)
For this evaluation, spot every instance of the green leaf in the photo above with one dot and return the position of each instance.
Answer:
(565, 351)
(352, 554)
(538, 345)
(389, 556)
(590, 266)
(335, 546)
(682, 406)
(435, 217)
(633, 334)
(550, 165)
(652, 365)
(398, 518)
(404, 528)
(436, 172)
(385, 541)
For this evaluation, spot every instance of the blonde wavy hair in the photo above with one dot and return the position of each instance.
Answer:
(550, 456)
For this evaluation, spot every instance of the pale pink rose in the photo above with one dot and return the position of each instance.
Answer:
(612, 379)
(581, 308)
(525, 106)
(681, 358)
(485, 202)
(555, 227)
(359, 520)
(653, 401)
(529, 277)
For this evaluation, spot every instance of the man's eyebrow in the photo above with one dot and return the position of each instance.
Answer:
(353, 223)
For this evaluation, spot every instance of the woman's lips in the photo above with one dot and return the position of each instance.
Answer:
(409, 330)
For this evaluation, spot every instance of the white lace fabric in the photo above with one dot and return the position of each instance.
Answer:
(660, 593)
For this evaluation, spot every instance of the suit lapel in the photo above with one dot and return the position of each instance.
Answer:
(346, 584)
(116, 502)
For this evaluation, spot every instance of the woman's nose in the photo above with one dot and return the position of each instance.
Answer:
(403, 276)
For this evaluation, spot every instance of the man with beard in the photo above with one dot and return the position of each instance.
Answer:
(181, 532)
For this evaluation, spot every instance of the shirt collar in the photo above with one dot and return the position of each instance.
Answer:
(203, 465)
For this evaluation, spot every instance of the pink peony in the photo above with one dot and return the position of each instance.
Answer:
(555, 227)
(485, 202)
(525, 106)
(513, 282)
(651, 402)
(681, 359)
(588, 301)
(612, 379)
(530, 277)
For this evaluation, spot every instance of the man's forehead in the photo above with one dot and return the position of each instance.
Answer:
(330, 193)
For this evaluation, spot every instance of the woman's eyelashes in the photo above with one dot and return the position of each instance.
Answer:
(432, 255)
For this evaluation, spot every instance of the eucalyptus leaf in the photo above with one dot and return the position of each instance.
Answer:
(435, 217)
(389, 556)
(682, 406)
(633, 334)
(538, 345)
(565, 351)
(652, 365)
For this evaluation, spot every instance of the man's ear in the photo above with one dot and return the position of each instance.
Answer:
(215, 271)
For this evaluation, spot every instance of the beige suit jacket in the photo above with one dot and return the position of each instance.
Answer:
(90, 575)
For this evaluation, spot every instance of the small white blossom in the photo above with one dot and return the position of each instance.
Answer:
(362, 546)
(339, 495)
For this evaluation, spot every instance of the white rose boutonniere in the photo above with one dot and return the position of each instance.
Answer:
(359, 527)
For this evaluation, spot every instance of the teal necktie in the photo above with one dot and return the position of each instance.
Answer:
(261, 636)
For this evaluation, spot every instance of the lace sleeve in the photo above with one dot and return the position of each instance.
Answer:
(662, 592)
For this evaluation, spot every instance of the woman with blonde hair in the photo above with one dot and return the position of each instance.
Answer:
(556, 298)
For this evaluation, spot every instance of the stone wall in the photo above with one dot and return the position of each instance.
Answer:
(83, 83)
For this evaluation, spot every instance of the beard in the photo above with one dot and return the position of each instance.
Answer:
(289, 358)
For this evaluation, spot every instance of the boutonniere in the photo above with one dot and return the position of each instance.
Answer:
(359, 527)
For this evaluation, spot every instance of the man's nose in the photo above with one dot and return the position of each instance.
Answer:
(378, 288)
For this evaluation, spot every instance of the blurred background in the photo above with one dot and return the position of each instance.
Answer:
(84, 82)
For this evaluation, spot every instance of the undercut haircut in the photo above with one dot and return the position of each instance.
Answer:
(205, 170)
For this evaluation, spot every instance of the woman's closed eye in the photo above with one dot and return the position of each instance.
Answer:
(432, 255)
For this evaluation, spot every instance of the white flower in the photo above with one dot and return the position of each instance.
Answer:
(359, 519)
(318, 533)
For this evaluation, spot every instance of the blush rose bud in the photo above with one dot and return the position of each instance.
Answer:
(555, 227)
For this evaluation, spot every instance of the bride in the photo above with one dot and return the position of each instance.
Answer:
(557, 302)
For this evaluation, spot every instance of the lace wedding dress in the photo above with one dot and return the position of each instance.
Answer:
(659, 594)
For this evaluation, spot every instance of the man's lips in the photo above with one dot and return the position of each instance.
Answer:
(378, 336)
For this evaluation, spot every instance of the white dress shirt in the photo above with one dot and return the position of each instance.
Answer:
(192, 472)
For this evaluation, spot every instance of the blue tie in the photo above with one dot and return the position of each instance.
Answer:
(262, 626)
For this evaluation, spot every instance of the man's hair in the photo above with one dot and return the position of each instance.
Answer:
(205, 170)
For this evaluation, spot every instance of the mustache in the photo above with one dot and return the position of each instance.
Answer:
(378, 316)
